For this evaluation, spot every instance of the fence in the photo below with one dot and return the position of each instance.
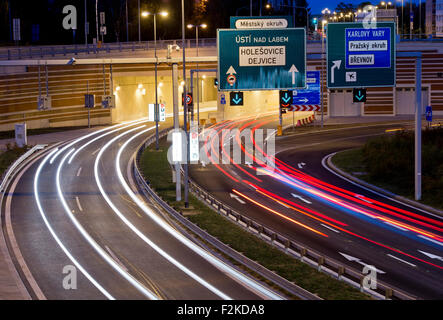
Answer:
(31, 52)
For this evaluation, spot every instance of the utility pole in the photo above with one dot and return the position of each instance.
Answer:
(175, 98)
(185, 109)
(96, 18)
(86, 24)
(139, 26)
(127, 23)
(156, 109)
(418, 142)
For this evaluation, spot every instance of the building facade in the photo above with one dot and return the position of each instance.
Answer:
(434, 18)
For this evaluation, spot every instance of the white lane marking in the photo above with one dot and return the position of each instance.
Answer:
(394, 257)
(359, 261)
(429, 239)
(430, 255)
(363, 198)
(78, 203)
(100, 137)
(96, 151)
(330, 228)
(54, 235)
(323, 163)
(236, 197)
(243, 279)
(79, 171)
(90, 135)
(116, 258)
(140, 287)
(393, 225)
(163, 253)
(301, 198)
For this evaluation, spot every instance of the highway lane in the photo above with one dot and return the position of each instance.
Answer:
(371, 240)
(125, 253)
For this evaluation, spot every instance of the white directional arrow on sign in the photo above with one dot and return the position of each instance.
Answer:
(336, 65)
(432, 256)
(293, 70)
(301, 165)
(231, 70)
(354, 259)
(301, 198)
(237, 198)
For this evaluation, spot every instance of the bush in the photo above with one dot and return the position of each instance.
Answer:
(390, 159)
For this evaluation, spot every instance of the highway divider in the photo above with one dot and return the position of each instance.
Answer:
(297, 250)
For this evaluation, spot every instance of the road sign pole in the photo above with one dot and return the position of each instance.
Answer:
(178, 189)
(89, 110)
(322, 71)
(418, 142)
(186, 182)
(156, 109)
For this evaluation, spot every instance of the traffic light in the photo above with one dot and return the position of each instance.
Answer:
(315, 20)
(285, 98)
(215, 82)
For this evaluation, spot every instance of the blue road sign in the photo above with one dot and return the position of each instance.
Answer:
(222, 99)
(310, 95)
(368, 48)
(265, 59)
(429, 113)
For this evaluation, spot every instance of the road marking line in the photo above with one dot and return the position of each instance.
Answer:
(78, 172)
(95, 152)
(394, 257)
(393, 225)
(115, 258)
(328, 227)
(429, 239)
(78, 203)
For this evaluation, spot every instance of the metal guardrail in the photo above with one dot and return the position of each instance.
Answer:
(252, 265)
(297, 250)
(9, 172)
(31, 52)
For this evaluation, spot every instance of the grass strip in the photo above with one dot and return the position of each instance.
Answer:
(9, 156)
(155, 167)
(388, 162)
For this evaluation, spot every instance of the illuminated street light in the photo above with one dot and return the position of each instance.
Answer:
(203, 26)
(163, 14)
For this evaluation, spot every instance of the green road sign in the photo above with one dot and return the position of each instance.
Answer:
(359, 95)
(265, 59)
(359, 56)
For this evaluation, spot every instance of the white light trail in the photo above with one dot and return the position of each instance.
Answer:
(54, 235)
(138, 232)
(92, 242)
(204, 254)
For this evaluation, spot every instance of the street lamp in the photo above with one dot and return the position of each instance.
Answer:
(203, 26)
(163, 14)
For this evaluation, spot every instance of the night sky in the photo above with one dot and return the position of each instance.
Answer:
(318, 5)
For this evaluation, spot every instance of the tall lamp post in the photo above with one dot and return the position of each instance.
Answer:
(185, 110)
(203, 26)
(156, 109)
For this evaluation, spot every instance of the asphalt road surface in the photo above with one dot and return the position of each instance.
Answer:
(82, 235)
(305, 202)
